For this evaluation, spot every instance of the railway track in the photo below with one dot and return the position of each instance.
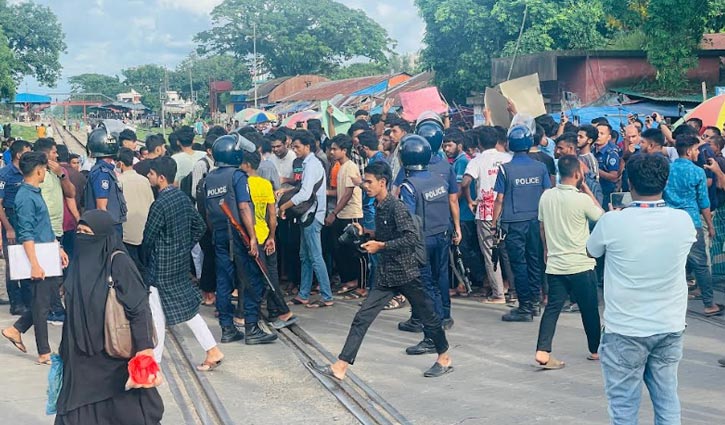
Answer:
(69, 139)
(192, 392)
(367, 406)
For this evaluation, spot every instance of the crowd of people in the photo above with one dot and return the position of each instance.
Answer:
(306, 217)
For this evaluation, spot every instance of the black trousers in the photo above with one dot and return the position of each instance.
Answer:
(347, 257)
(134, 251)
(42, 296)
(471, 252)
(584, 288)
(288, 240)
(377, 298)
(276, 304)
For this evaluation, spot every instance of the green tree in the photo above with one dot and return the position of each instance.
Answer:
(294, 36)
(672, 44)
(148, 80)
(7, 84)
(36, 40)
(204, 69)
(107, 85)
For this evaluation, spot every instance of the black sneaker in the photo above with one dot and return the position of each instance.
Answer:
(411, 325)
(424, 347)
(255, 335)
(721, 362)
(231, 334)
(448, 323)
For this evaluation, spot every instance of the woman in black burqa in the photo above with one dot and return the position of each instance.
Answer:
(94, 384)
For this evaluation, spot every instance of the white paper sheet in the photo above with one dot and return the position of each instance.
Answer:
(48, 256)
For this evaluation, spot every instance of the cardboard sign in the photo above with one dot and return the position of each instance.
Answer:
(525, 93)
(497, 104)
(416, 102)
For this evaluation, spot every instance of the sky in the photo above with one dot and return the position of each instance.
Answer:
(105, 36)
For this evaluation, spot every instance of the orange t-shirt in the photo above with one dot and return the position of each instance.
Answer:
(333, 174)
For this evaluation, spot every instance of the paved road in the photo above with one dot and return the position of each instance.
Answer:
(493, 381)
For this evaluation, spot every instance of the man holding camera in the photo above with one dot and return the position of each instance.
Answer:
(394, 239)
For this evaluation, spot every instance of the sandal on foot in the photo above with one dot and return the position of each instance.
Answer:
(437, 370)
(18, 343)
(353, 295)
(593, 358)
(46, 362)
(345, 289)
(298, 301)
(552, 364)
(719, 312)
(492, 300)
(323, 370)
(209, 366)
(395, 303)
(320, 304)
(694, 297)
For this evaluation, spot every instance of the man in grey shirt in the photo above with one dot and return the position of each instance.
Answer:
(311, 244)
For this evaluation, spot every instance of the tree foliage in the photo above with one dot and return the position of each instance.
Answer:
(107, 85)
(462, 36)
(672, 43)
(36, 40)
(294, 36)
(7, 84)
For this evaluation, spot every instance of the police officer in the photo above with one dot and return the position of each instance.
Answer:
(10, 180)
(519, 186)
(229, 183)
(608, 159)
(103, 190)
(427, 196)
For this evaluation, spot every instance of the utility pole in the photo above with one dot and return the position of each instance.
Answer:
(162, 98)
(254, 77)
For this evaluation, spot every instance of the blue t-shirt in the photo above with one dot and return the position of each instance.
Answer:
(10, 180)
(459, 168)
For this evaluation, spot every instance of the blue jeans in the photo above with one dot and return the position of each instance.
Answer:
(435, 274)
(312, 260)
(628, 361)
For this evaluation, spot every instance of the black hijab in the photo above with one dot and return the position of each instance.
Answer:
(86, 284)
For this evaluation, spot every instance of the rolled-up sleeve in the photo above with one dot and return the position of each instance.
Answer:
(27, 218)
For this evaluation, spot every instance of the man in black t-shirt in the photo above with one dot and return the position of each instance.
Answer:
(536, 154)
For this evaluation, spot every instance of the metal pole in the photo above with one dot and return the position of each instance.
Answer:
(254, 77)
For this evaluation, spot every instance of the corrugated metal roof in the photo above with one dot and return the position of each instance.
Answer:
(328, 89)
(263, 90)
(417, 82)
(685, 97)
(713, 41)
(30, 98)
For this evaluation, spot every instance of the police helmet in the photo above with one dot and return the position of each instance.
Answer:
(102, 143)
(415, 152)
(430, 126)
(228, 150)
(520, 138)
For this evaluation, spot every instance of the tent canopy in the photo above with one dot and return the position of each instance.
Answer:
(30, 98)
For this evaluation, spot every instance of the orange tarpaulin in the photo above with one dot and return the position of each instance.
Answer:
(416, 102)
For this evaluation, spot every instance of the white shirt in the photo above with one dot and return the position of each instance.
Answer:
(484, 169)
(645, 289)
(671, 152)
(284, 165)
(185, 162)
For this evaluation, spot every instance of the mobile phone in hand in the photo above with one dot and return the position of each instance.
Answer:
(620, 199)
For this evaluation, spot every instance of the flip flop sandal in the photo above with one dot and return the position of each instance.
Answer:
(352, 296)
(17, 343)
(319, 304)
(552, 364)
(297, 301)
(719, 312)
(592, 358)
(208, 367)
(323, 370)
(44, 363)
(345, 289)
(491, 300)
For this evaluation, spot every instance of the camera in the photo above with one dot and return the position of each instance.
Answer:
(351, 237)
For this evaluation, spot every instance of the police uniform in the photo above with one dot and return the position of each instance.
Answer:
(230, 184)
(522, 182)
(10, 180)
(608, 160)
(425, 194)
(103, 184)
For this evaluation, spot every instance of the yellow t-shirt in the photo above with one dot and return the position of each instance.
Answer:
(262, 195)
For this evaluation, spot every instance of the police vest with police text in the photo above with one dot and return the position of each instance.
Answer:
(524, 187)
(219, 185)
(431, 202)
(116, 201)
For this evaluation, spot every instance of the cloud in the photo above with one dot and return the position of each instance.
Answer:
(200, 7)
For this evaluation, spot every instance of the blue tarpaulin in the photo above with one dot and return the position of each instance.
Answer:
(369, 91)
(30, 98)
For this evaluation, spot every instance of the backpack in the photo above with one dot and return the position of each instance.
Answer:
(591, 180)
(299, 210)
(187, 182)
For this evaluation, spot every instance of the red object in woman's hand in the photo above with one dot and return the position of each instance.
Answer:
(141, 368)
